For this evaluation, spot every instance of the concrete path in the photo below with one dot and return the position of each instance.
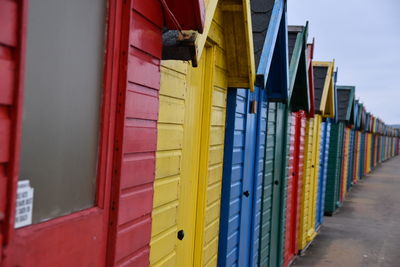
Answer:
(366, 230)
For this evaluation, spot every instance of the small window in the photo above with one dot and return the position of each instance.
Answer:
(63, 87)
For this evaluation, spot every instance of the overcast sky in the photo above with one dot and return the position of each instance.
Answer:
(363, 36)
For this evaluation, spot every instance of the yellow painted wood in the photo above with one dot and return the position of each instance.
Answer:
(327, 105)
(305, 208)
(311, 233)
(369, 150)
(167, 186)
(345, 161)
(358, 156)
(234, 17)
(190, 148)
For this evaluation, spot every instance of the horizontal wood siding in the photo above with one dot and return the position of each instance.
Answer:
(11, 77)
(266, 207)
(233, 176)
(170, 126)
(216, 145)
(306, 185)
(135, 192)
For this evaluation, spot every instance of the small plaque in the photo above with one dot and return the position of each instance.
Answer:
(23, 212)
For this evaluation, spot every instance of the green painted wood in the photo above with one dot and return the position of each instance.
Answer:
(299, 98)
(273, 215)
(267, 190)
(334, 167)
(281, 249)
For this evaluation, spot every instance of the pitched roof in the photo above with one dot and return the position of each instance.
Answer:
(270, 47)
(324, 95)
(237, 21)
(310, 56)
(293, 31)
(319, 83)
(261, 12)
(299, 98)
(346, 102)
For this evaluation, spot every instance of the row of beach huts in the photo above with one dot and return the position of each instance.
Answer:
(222, 142)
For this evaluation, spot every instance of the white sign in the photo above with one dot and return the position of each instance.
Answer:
(23, 214)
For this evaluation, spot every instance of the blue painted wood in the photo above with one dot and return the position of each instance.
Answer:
(323, 172)
(351, 160)
(273, 66)
(242, 174)
(362, 155)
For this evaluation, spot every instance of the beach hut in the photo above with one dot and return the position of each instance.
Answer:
(324, 108)
(86, 160)
(272, 76)
(337, 164)
(191, 131)
(323, 171)
(345, 114)
(245, 137)
(351, 149)
(299, 106)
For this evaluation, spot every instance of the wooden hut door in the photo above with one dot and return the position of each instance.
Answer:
(54, 146)
(278, 191)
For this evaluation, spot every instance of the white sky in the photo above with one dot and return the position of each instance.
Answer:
(363, 36)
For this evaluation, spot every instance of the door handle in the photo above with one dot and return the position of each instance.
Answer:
(181, 234)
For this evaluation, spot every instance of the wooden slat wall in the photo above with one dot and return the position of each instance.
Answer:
(216, 145)
(170, 126)
(132, 203)
(314, 183)
(266, 207)
(302, 163)
(176, 109)
(10, 78)
(290, 208)
(306, 185)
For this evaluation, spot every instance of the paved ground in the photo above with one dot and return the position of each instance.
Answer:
(366, 230)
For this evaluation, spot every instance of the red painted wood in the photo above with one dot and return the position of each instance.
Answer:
(130, 198)
(12, 53)
(151, 10)
(8, 22)
(190, 14)
(3, 191)
(296, 161)
(136, 135)
(137, 169)
(148, 65)
(291, 207)
(302, 135)
(310, 50)
(145, 35)
(140, 102)
(74, 240)
(7, 81)
(5, 134)
(140, 136)
(79, 239)
(131, 238)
